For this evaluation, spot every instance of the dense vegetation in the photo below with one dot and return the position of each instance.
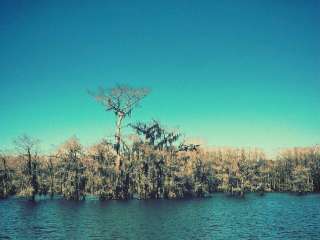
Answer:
(155, 168)
(153, 163)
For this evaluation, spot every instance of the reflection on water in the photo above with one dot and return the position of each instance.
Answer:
(273, 216)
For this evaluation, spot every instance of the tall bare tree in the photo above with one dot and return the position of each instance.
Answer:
(72, 169)
(27, 148)
(121, 100)
(5, 176)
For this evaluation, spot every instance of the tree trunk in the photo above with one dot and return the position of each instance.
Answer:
(120, 117)
(77, 178)
(34, 181)
(32, 174)
(5, 179)
(29, 162)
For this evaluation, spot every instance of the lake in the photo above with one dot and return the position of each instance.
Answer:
(272, 216)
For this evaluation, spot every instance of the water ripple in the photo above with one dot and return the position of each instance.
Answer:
(273, 216)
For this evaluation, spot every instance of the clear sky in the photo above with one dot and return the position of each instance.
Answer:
(233, 73)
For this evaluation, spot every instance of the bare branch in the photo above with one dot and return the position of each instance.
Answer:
(120, 99)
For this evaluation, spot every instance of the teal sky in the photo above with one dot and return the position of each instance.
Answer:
(233, 73)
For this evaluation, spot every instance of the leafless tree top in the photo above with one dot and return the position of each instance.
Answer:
(25, 143)
(120, 99)
(70, 145)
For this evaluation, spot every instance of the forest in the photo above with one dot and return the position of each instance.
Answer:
(153, 163)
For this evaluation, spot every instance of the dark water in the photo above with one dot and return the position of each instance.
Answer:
(273, 216)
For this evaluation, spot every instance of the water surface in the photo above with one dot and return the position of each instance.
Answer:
(273, 216)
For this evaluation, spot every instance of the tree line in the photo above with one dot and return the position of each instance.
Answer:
(154, 163)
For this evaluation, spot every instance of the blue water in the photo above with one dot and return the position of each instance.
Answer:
(273, 216)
